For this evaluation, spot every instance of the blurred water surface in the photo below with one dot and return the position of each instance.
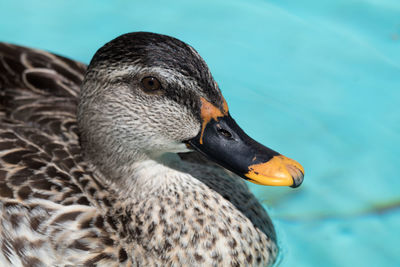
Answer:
(319, 81)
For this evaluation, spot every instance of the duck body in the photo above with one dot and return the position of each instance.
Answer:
(189, 225)
(80, 185)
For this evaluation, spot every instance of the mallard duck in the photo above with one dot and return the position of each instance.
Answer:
(91, 165)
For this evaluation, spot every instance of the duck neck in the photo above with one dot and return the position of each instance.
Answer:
(147, 177)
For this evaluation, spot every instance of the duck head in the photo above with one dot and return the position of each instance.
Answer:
(146, 94)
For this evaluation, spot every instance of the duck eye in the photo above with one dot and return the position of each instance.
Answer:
(151, 84)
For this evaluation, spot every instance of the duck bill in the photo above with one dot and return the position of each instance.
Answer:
(224, 142)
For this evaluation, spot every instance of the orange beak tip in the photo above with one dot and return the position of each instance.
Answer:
(278, 171)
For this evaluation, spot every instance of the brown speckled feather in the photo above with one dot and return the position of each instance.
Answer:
(40, 151)
(41, 161)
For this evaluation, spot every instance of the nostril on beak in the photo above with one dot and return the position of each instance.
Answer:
(297, 175)
(224, 133)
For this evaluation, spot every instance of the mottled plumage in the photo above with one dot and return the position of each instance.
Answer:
(110, 203)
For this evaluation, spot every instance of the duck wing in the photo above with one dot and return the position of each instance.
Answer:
(48, 197)
(40, 155)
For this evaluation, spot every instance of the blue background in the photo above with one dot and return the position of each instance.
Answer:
(319, 81)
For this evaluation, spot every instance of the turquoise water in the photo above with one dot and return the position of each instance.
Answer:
(319, 81)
